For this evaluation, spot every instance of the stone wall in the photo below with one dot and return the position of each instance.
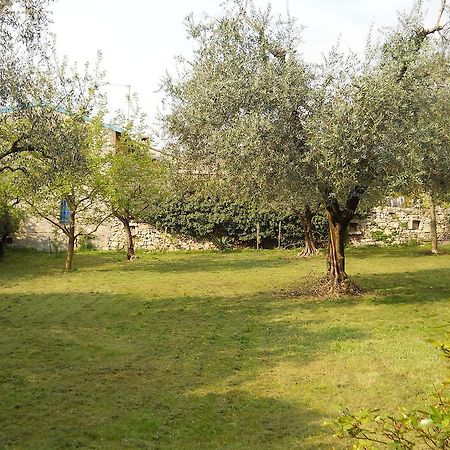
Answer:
(149, 238)
(383, 226)
(41, 235)
(398, 225)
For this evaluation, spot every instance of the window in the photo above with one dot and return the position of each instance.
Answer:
(64, 213)
(353, 227)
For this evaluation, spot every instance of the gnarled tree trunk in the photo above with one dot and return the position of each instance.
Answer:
(336, 249)
(310, 246)
(338, 223)
(433, 226)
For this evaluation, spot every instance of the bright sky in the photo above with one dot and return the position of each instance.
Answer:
(140, 38)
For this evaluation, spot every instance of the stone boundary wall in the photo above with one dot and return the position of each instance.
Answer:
(147, 237)
(41, 235)
(398, 225)
(383, 226)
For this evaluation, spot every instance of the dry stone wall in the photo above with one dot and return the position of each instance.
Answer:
(398, 225)
(149, 238)
(41, 235)
(382, 226)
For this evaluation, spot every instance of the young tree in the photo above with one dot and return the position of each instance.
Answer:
(62, 181)
(431, 135)
(131, 182)
(63, 190)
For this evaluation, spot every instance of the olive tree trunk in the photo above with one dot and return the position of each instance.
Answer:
(310, 246)
(338, 224)
(336, 250)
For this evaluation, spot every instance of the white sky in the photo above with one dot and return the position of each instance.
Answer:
(140, 38)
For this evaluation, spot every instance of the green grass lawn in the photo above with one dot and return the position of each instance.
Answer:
(202, 351)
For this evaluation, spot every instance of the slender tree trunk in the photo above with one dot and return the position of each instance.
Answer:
(258, 237)
(129, 240)
(71, 242)
(2, 247)
(433, 227)
(310, 246)
(279, 235)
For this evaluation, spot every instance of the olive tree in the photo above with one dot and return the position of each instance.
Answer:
(249, 109)
(24, 45)
(237, 107)
(360, 127)
(430, 137)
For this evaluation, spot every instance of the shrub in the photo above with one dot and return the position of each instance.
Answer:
(417, 429)
(86, 243)
(215, 216)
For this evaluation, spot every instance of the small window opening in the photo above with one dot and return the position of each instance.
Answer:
(353, 227)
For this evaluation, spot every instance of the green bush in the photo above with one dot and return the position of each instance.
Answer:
(86, 243)
(215, 216)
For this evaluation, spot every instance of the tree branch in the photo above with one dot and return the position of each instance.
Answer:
(96, 228)
(16, 148)
(274, 49)
(12, 169)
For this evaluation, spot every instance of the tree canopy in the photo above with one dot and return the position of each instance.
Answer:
(247, 108)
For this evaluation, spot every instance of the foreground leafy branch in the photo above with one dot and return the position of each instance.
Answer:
(416, 429)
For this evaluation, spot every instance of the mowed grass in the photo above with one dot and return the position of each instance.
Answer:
(204, 351)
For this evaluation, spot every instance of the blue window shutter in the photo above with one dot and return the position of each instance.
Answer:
(64, 213)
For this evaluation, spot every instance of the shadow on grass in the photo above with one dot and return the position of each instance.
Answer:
(420, 286)
(172, 372)
(211, 262)
(27, 264)
(234, 419)
(396, 251)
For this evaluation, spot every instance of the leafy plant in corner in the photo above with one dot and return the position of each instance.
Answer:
(427, 428)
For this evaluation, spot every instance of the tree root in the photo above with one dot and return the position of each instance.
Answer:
(341, 288)
(307, 252)
(319, 288)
